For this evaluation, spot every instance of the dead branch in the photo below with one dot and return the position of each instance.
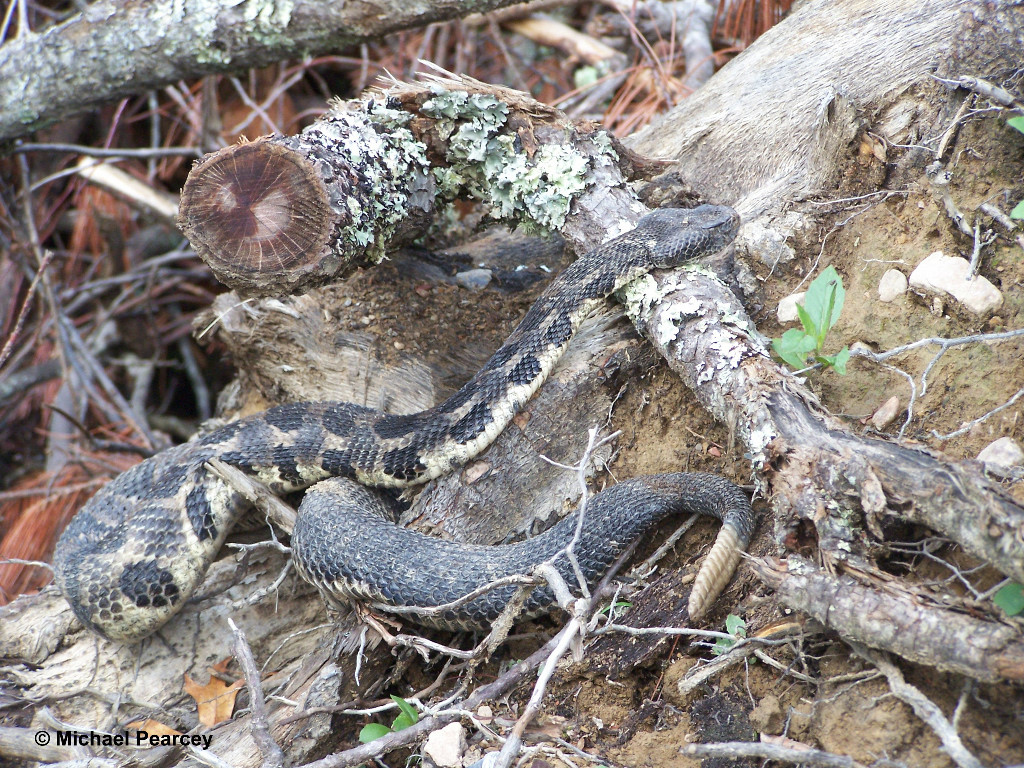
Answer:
(115, 49)
(273, 757)
(736, 750)
(265, 217)
(900, 621)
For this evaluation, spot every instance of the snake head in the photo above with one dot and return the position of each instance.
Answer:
(678, 235)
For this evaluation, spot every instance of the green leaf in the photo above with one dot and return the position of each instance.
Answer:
(806, 321)
(734, 625)
(721, 646)
(1018, 211)
(409, 714)
(1010, 598)
(617, 608)
(372, 732)
(1016, 122)
(824, 300)
(794, 347)
(838, 361)
(401, 723)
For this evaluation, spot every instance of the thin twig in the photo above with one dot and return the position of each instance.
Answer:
(81, 149)
(255, 492)
(944, 345)
(436, 610)
(25, 304)
(735, 750)
(273, 755)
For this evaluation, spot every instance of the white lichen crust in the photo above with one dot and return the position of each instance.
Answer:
(371, 152)
(708, 340)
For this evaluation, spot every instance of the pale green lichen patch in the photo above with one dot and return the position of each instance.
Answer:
(486, 161)
(385, 156)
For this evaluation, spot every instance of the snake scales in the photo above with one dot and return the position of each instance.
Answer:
(137, 550)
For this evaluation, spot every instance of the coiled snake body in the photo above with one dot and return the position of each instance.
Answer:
(138, 549)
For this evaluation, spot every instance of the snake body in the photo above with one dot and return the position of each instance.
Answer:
(139, 548)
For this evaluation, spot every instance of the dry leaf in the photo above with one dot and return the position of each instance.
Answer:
(215, 700)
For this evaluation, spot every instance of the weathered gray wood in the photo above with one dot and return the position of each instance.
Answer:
(775, 124)
(902, 620)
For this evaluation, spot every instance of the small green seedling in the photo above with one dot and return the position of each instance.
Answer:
(1018, 123)
(616, 609)
(823, 303)
(736, 627)
(405, 719)
(1010, 598)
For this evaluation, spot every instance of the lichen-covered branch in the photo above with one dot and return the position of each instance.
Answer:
(898, 620)
(288, 212)
(114, 49)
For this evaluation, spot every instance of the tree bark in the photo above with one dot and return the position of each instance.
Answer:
(116, 48)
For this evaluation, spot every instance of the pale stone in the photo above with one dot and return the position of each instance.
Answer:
(786, 312)
(945, 275)
(474, 279)
(892, 285)
(445, 746)
(768, 244)
(885, 414)
(1004, 452)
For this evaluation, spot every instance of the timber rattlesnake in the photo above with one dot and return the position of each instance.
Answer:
(138, 549)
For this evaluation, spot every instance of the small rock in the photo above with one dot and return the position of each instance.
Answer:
(947, 275)
(885, 414)
(892, 285)
(769, 244)
(444, 747)
(1003, 453)
(786, 313)
(474, 279)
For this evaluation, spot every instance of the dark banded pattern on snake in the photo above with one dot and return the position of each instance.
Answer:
(140, 547)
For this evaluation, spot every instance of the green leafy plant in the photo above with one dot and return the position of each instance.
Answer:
(406, 718)
(822, 305)
(1018, 123)
(1010, 597)
(736, 627)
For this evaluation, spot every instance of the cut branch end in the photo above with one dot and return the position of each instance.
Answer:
(255, 211)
